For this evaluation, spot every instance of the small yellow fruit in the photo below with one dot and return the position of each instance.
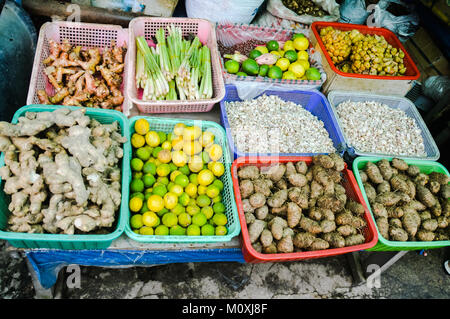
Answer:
(170, 200)
(217, 168)
(304, 63)
(288, 45)
(301, 43)
(155, 203)
(141, 126)
(191, 190)
(207, 138)
(166, 145)
(297, 69)
(289, 75)
(205, 177)
(302, 55)
(137, 140)
(152, 139)
(283, 64)
(192, 147)
(174, 175)
(215, 152)
(195, 164)
(192, 133)
(164, 156)
(179, 158)
(276, 53)
(136, 204)
(179, 128)
(177, 143)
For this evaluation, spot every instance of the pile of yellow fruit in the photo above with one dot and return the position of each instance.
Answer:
(176, 187)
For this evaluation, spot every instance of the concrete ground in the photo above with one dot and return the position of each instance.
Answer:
(413, 276)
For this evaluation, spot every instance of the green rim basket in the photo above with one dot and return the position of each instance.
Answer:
(63, 241)
(383, 244)
(166, 125)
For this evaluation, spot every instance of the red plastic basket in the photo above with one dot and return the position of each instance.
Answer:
(412, 73)
(353, 192)
(205, 31)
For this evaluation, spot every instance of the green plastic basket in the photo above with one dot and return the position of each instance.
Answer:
(166, 125)
(387, 245)
(62, 241)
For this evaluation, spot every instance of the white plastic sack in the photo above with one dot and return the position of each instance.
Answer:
(278, 9)
(269, 20)
(353, 11)
(234, 11)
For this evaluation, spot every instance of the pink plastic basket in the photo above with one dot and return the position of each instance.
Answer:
(84, 34)
(205, 31)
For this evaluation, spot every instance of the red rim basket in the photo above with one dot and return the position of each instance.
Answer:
(353, 192)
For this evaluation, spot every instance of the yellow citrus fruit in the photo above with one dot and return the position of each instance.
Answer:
(163, 170)
(179, 158)
(289, 75)
(150, 219)
(178, 129)
(176, 189)
(283, 64)
(164, 156)
(152, 139)
(137, 140)
(145, 230)
(195, 164)
(173, 175)
(177, 143)
(205, 177)
(212, 191)
(304, 63)
(215, 152)
(136, 221)
(281, 52)
(170, 200)
(192, 133)
(207, 138)
(288, 45)
(166, 145)
(297, 68)
(155, 203)
(136, 204)
(302, 55)
(276, 53)
(262, 49)
(191, 190)
(141, 126)
(217, 168)
(301, 43)
(201, 190)
(192, 147)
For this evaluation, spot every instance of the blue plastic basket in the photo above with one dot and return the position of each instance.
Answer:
(313, 101)
(76, 241)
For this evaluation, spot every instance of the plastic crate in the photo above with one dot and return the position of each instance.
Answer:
(79, 33)
(205, 31)
(338, 80)
(388, 245)
(63, 241)
(313, 101)
(352, 191)
(337, 97)
(230, 33)
(166, 125)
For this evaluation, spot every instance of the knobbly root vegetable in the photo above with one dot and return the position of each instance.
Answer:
(248, 172)
(352, 240)
(385, 169)
(262, 212)
(320, 244)
(266, 238)
(399, 164)
(335, 239)
(425, 235)
(294, 214)
(383, 226)
(255, 229)
(398, 234)
(303, 240)
(374, 173)
(246, 188)
(278, 199)
(285, 245)
(257, 200)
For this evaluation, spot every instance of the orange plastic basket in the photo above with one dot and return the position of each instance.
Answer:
(352, 191)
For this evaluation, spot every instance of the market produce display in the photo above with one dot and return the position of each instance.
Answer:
(274, 59)
(62, 170)
(305, 7)
(374, 127)
(295, 207)
(354, 52)
(407, 205)
(269, 124)
(174, 67)
(176, 187)
(81, 76)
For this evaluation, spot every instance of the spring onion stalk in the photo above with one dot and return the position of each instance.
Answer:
(206, 84)
(140, 70)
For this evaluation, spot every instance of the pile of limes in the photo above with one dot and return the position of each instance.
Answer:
(176, 187)
(292, 61)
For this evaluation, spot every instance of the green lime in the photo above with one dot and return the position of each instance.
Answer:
(163, 180)
(160, 190)
(162, 137)
(149, 168)
(232, 66)
(254, 54)
(217, 199)
(184, 219)
(169, 186)
(241, 74)
(219, 208)
(220, 219)
(263, 69)
(205, 157)
(137, 164)
(207, 211)
(162, 212)
(136, 231)
(170, 219)
(298, 35)
(137, 185)
(156, 151)
(221, 231)
(291, 55)
(275, 72)
(162, 230)
(272, 45)
(177, 230)
(138, 194)
(143, 153)
(137, 175)
(145, 230)
(178, 209)
(184, 199)
(207, 229)
(203, 201)
(193, 178)
(136, 221)
(192, 209)
(212, 191)
(218, 183)
(163, 170)
(199, 219)
(184, 170)
(173, 167)
(312, 74)
(250, 66)
(193, 230)
(144, 208)
(148, 180)
(182, 180)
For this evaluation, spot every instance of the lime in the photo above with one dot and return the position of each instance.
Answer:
(193, 230)
(207, 211)
(184, 219)
(199, 219)
(179, 128)
(291, 55)
(136, 204)
(162, 136)
(137, 194)
(162, 230)
(149, 168)
(156, 151)
(178, 209)
(136, 221)
(170, 219)
(312, 74)
(166, 145)
(174, 174)
(221, 231)
(137, 164)
(193, 178)
(298, 35)
(163, 180)
(250, 66)
(163, 170)
(217, 199)
(172, 167)
(177, 230)
(179, 158)
(148, 180)
(160, 190)
(141, 126)
(283, 64)
(241, 74)
(145, 230)
(232, 66)
(162, 212)
(137, 140)
(182, 180)
(137, 175)
(143, 153)
(176, 189)
(203, 200)
(192, 209)
(304, 63)
(184, 169)
(205, 157)
(201, 190)
(155, 203)
(137, 185)
(212, 191)
(150, 219)
(262, 49)
(219, 208)
(207, 230)
(170, 200)
(191, 190)
(297, 69)
(263, 69)
(272, 45)
(288, 45)
(184, 199)
(192, 202)
(301, 43)
(165, 156)
(205, 177)
(218, 183)
(302, 55)
(289, 75)
(254, 54)
(275, 72)
(217, 169)
(220, 219)
(136, 231)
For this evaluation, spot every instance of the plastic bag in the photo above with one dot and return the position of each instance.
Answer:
(234, 11)
(269, 20)
(278, 9)
(436, 87)
(353, 11)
